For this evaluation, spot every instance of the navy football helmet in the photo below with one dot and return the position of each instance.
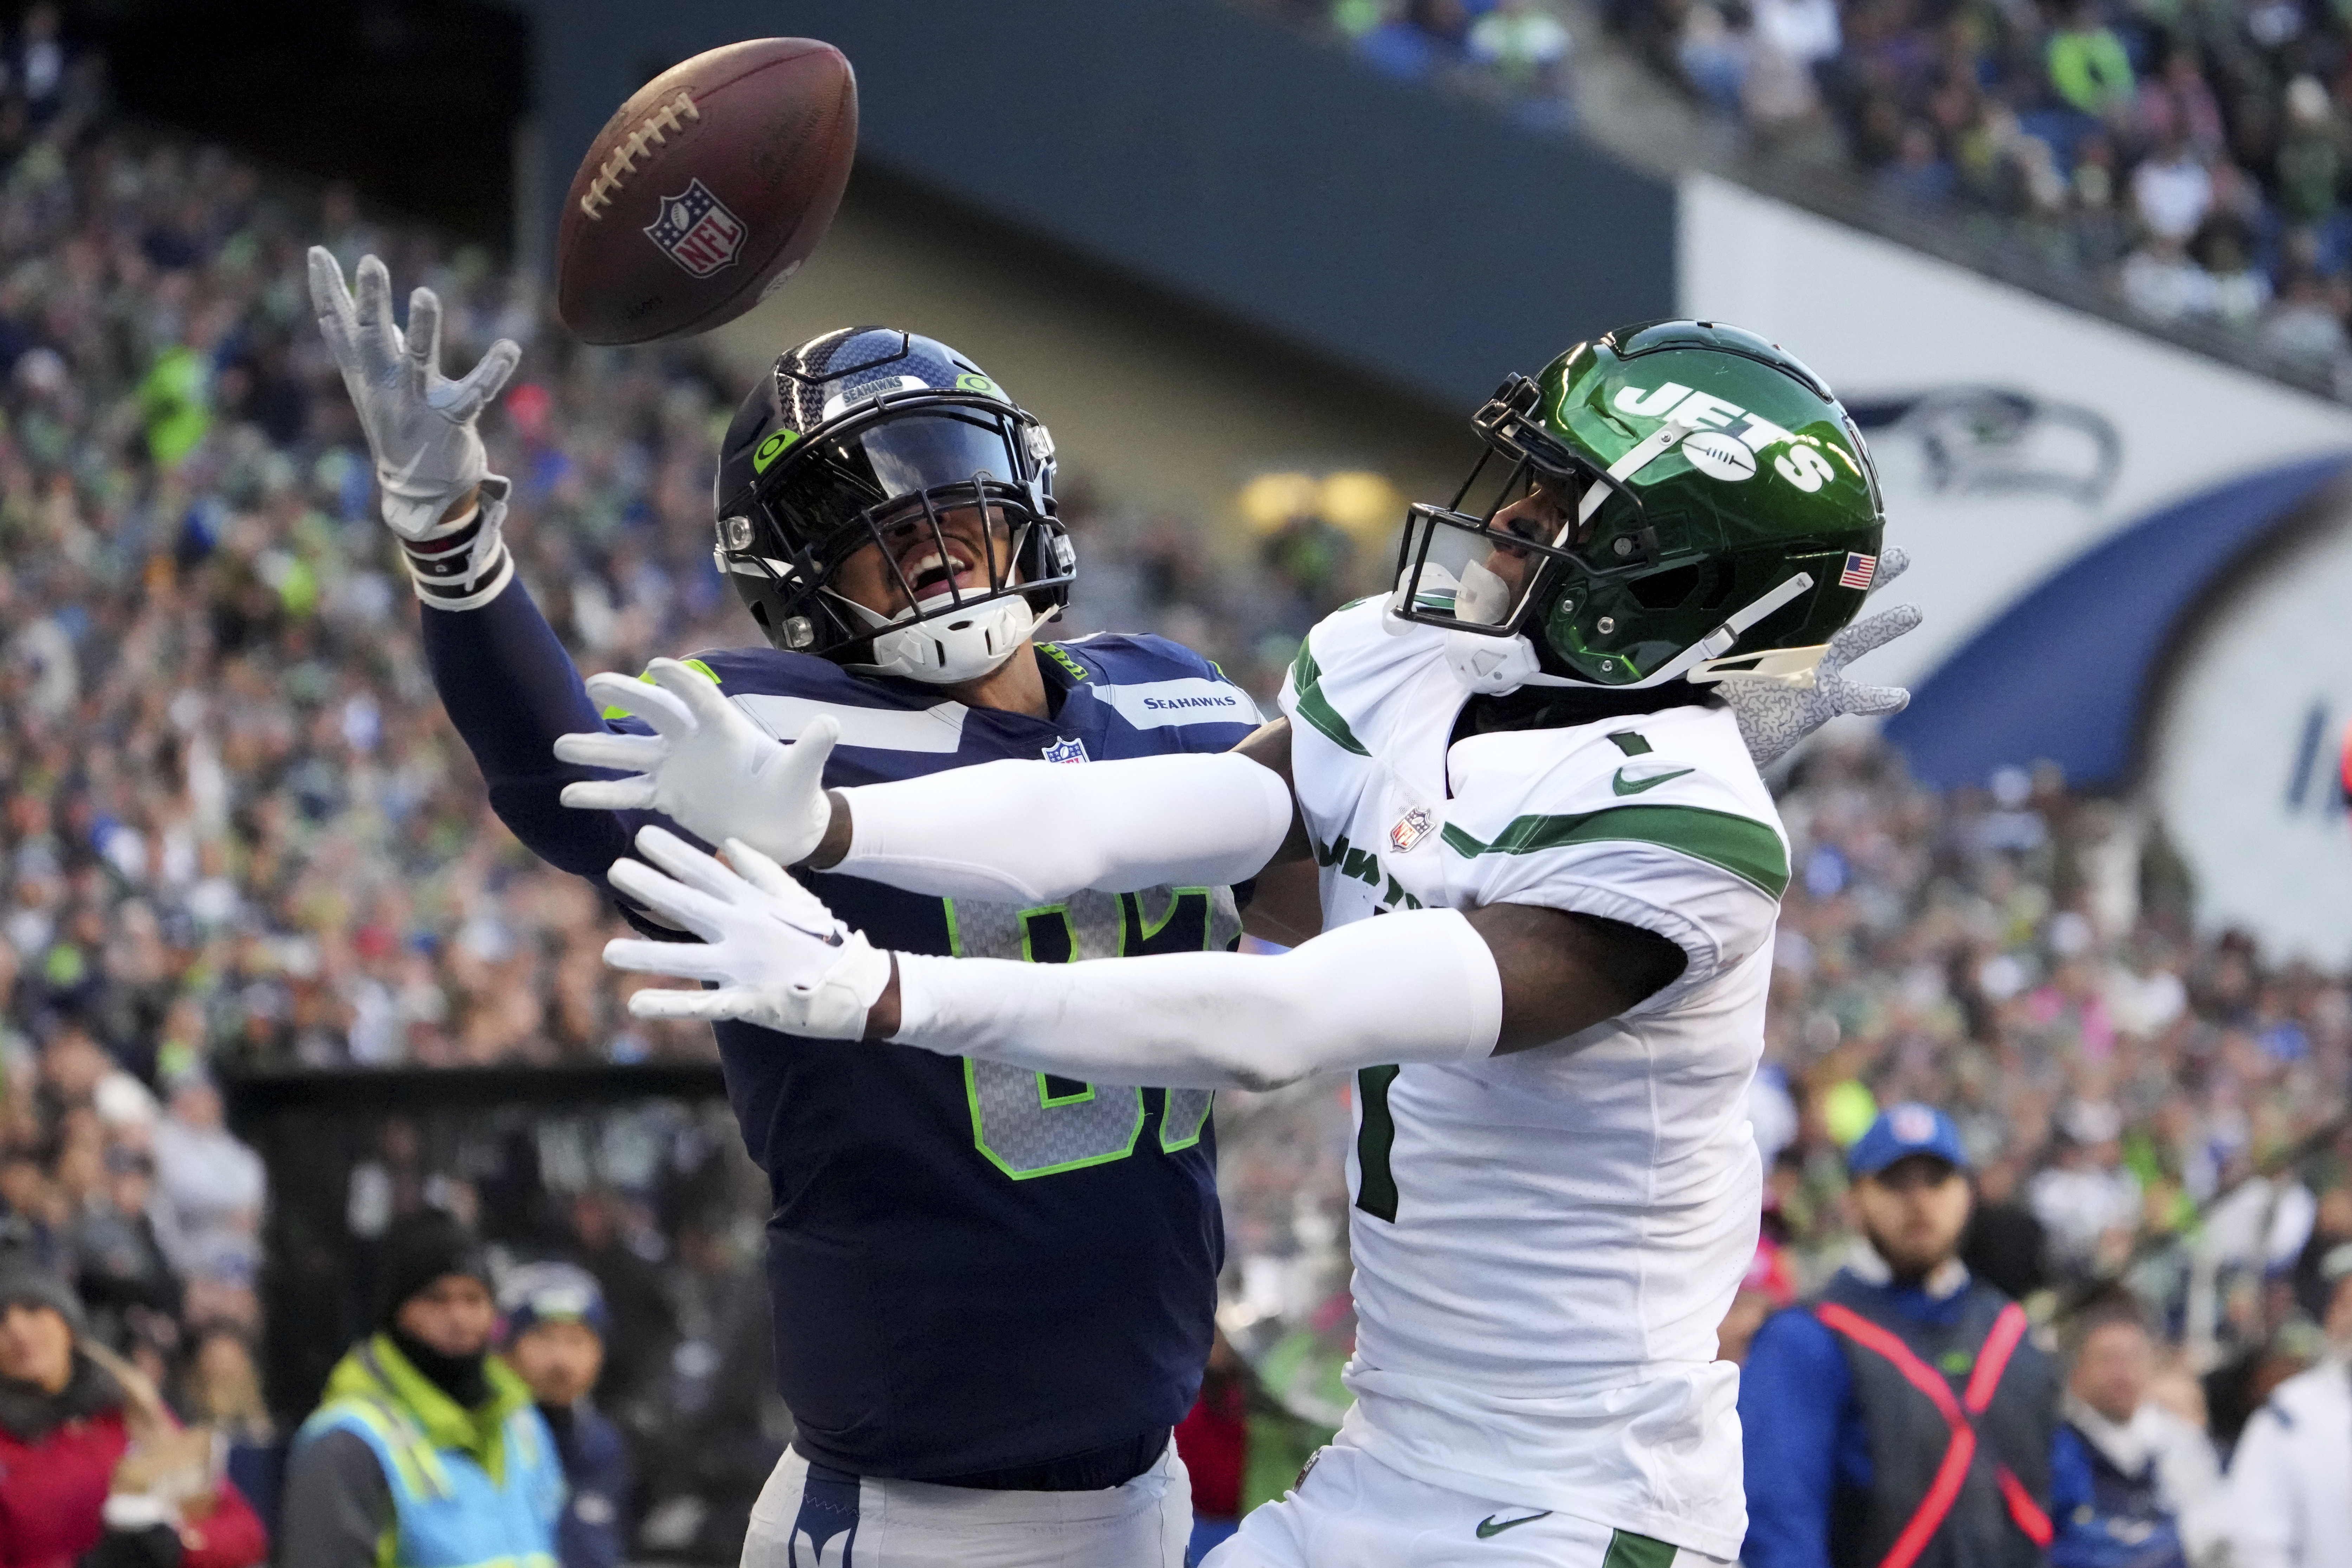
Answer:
(854, 439)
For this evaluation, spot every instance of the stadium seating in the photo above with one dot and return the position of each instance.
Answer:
(237, 834)
(2189, 161)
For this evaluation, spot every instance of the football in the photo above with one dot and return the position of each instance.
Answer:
(705, 190)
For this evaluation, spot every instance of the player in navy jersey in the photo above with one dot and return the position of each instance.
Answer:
(992, 1288)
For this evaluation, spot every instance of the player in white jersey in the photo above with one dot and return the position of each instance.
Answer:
(1518, 759)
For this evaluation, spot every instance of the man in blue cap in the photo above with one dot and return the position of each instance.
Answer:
(555, 1327)
(1902, 1419)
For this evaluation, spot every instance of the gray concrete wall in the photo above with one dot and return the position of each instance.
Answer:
(1204, 150)
(1156, 407)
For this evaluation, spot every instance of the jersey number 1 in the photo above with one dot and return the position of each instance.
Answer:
(1034, 1125)
(1376, 1191)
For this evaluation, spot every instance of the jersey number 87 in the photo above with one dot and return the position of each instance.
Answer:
(1034, 1125)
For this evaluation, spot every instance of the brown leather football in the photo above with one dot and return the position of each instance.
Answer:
(708, 188)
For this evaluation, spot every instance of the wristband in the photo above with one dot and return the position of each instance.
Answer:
(464, 564)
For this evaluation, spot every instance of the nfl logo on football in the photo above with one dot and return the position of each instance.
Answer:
(696, 231)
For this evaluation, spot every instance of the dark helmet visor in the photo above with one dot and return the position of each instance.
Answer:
(815, 493)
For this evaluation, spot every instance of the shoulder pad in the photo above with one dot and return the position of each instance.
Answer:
(741, 671)
(1125, 657)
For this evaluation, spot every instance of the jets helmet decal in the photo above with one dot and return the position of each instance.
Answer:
(1674, 499)
(873, 438)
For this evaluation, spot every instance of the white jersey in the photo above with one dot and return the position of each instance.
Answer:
(1545, 1242)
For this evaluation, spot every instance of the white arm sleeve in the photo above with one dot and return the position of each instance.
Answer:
(1030, 833)
(1420, 987)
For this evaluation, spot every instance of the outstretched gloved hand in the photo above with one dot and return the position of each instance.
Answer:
(419, 423)
(1774, 716)
(783, 961)
(707, 766)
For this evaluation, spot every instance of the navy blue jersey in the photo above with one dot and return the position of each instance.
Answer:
(973, 1269)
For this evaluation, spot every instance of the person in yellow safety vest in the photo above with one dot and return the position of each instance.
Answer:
(426, 1452)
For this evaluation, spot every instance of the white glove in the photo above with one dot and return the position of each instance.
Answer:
(706, 766)
(785, 961)
(1774, 717)
(420, 428)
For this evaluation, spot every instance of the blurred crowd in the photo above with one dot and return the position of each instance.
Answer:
(236, 833)
(1517, 53)
(2144, 1106)
(2192, 157)
(2153, 1120)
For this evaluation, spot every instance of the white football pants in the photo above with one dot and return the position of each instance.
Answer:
(1352, 1511)
(847, 1521)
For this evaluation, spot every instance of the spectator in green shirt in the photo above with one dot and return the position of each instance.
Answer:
(2087, 64)
(176, 399)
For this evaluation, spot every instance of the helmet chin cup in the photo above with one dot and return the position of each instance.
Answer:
(1491, 666)
(1484, 663)
(944, 651)
(1481, 595)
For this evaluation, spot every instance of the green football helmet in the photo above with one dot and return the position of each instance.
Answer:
(1673, 501)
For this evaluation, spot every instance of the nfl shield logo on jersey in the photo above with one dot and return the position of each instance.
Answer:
(1066, 751)
(1411, 829)
(696, 231)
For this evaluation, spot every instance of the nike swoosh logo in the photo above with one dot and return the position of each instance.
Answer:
(1488, 1528)
(1624, 786)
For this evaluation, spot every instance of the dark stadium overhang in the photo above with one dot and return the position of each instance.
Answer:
(1205, 151)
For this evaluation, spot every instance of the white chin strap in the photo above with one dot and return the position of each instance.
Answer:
(1492, 666)
(1484, 664)
(946, 649)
